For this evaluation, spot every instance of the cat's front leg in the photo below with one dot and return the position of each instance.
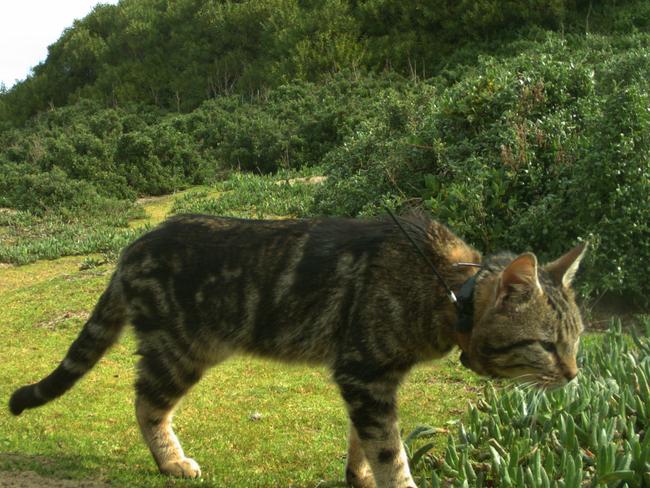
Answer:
(373, 413)
(387, 460)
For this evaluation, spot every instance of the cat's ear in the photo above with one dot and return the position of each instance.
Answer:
(519, 277)
(564, 269)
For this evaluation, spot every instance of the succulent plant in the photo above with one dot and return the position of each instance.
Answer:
(592, 433)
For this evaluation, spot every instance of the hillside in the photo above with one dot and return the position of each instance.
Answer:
(524, 125)
(174, 54)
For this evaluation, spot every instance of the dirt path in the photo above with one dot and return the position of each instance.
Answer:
(29, 479)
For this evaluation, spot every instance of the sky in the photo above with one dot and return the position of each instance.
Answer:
(27, 27)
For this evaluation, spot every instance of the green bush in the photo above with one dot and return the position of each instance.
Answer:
(54, 193)
(290, 127)
(135, 157)
(52, 215)
(253, 140)
(534, 147)
(374, 164)
(531, 151)
(175, 55)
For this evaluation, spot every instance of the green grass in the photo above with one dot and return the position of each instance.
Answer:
(156, 209)
(299, 439)
(91, 432)
(25, 238)
(285, 194)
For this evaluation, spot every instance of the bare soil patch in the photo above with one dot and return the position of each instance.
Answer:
(53, 323)
(30, 479)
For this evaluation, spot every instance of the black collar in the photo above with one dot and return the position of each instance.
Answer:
(465, 306)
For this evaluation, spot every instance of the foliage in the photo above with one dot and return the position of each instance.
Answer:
(531, 151)
(512, 126)
(176, 54)
(26, 237)
(129, 151)
(53, 192)
(110, 149)
(593, 433)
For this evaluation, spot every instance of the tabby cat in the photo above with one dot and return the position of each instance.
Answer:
(350, 294)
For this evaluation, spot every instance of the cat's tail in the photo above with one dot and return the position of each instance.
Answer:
(100, 332)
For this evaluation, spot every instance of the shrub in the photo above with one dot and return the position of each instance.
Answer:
(536, 147)
(530, 151)
(53, 192)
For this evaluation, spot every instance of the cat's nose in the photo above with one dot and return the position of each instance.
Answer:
(570, 374)
(569, 368)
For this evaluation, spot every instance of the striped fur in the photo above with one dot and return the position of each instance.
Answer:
(350, 294)
(98, 334)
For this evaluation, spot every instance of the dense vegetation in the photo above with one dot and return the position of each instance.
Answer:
(523, 125)
(176, 53)
(593, 433)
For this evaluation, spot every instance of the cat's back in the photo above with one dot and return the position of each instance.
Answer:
(205, 237)
(274, 287)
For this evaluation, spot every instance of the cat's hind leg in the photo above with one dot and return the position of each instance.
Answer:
(162, 382)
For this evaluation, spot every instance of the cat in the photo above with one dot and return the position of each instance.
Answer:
(348, 293)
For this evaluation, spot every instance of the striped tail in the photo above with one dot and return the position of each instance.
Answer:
(98, 334)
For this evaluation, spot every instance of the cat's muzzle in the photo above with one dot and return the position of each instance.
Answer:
(467, 361)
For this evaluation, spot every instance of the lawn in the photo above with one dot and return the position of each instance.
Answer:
(248, 423)
(257, 423)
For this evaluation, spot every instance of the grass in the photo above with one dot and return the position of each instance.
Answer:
(249, 422)
(156, 209)
(25, 238)
(91, 433)
(286, 194)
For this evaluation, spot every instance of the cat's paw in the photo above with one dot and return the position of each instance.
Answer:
(182, 468)
(360, 479)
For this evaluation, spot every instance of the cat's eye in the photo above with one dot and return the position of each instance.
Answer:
(548, 346)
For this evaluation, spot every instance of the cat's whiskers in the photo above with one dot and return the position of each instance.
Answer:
(524, 380)
(550, 382)
(528, 386)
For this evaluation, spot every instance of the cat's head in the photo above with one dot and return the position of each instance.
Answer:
(527, 325)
